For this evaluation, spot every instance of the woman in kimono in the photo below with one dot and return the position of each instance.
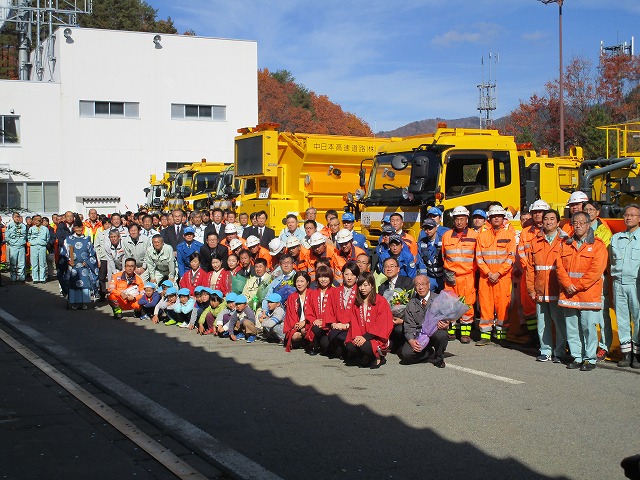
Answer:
(321, 299)
(299, 314)
(195, 276)
(81, 277)
(370, 324)
(219, 278)
(341, 301)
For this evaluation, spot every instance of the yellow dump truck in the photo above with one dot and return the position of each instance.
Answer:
(281, 172)
(459, 166)
(193, 185)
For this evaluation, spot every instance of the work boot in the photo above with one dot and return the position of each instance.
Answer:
(636, 361)
(626, 360)
(482, 342)
(465, 339)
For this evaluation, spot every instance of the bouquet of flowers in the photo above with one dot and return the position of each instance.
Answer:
(257, 299)
(398, 299)
(285, 289)
(445, 307)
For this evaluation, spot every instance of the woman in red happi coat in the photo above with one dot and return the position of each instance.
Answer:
(321, 297)
(370, 324)
(300, 313)
(219, 278)
(195, 276)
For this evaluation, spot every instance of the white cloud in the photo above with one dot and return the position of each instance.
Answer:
(535, 36)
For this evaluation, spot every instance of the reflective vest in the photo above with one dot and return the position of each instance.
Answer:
(91, 231)
(495, 251)
(459, 251)
(541, 277)
(431, 254)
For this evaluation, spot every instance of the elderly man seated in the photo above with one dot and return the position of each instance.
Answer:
(125, 289)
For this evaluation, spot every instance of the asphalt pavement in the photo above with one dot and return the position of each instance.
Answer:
(492, 413)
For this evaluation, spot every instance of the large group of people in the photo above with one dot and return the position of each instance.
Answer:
(324, 290)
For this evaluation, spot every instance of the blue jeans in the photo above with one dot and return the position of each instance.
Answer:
(627, 314)
(582, 335)
(547, 313)
(17, 259)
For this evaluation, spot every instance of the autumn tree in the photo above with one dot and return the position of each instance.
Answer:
(296, 108)
(132, 15)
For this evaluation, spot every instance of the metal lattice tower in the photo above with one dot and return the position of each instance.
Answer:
(487, 90)
(623, 48)
(33, 21)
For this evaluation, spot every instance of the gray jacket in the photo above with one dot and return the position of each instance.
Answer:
(414, 315)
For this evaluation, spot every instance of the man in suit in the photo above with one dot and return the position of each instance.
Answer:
(217, 225)
(173, 235)
(391, 269)
(412, 351)
(260, 230)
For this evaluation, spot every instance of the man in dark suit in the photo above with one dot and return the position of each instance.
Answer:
(216, 225)
(391, 269)
(414, 315)
(264, 233)
(173, 235)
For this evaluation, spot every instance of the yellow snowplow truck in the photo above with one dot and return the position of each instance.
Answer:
(284, 173)
(459, 166)
(193, 184)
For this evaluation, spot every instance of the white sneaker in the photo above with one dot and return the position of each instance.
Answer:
(144, 317)
(183, 325)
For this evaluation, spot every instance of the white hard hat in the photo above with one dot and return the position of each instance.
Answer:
(317, 239)
(460, 211)
(292, 241)
(578, 197)
(235, 243)
(539, 205)
(275, 246)
(230, 228)
(344, 236)
(495, 210)
(252, 241)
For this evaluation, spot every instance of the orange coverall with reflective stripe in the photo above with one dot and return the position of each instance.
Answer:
(524, 247)
(541, 277)
(495, 252)
(458, 253)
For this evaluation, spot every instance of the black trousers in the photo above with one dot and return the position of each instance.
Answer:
(332, 343)
(364, 352)
(397, 338)
(438, 343)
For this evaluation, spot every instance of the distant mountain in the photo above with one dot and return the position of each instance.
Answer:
(431, 124)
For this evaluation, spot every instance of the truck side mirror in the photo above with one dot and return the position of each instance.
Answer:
(228, 180)
(418, 173)
(146, 191)
(362, 173)
(399, 162)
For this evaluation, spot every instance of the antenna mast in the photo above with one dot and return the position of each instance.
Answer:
(487, 103)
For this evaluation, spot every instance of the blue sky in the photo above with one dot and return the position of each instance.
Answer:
(393, 62)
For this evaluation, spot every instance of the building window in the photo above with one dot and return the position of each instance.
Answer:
(90, 108)
(9, 130)
(181, 111)
(32, 196)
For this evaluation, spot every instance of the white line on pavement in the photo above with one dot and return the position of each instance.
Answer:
(485, 374)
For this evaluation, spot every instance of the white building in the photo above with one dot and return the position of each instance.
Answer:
(114, 107)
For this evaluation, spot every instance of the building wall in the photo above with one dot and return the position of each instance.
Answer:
(114, 157)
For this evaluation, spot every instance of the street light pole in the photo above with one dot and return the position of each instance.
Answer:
(561, 76)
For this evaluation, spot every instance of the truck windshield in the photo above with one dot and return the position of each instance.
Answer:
(182, 184)
(386, 184)
(205, 183)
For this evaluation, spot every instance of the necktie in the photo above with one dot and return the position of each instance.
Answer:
(259, 281)
(260, 233)
(424, 302)
(177, 230)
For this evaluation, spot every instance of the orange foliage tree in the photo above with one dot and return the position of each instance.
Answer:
(297, 109)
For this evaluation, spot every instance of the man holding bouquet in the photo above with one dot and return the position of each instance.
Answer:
(414, 315)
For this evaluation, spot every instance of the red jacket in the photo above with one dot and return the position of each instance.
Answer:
(291, 316)
(376, 320)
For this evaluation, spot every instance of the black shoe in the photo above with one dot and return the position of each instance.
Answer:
(626, 360)
(636, 361)
(440, 364)
(378, 362)
(587, 367)
(117, 315)
(574, 365)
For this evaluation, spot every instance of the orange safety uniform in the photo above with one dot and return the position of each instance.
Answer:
(458, 253)
(339, 260)
(495, 253)
(541, 278)
(226, 243)
(300, 261)
(582, 267)
(411, 243)
(119, 284)
(263, 253)
(527, 235)
(91, 231)
(311, 258)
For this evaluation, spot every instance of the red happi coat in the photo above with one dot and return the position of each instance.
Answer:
(322, 307)
(291, 316)
(191, 281)
(223, 283)
(337, 312)
(376, 320)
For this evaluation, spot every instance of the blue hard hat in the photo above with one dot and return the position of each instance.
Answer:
(434, 211)
(480, 213)
(348, 217)
(189, 230)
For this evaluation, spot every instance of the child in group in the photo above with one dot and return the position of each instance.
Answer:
(148, 301)
(207, 319)
(183, 308)
(162, 288)
(242, 324)
(202, 295)
(272, 318)
(222, 320)
(164, 308)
